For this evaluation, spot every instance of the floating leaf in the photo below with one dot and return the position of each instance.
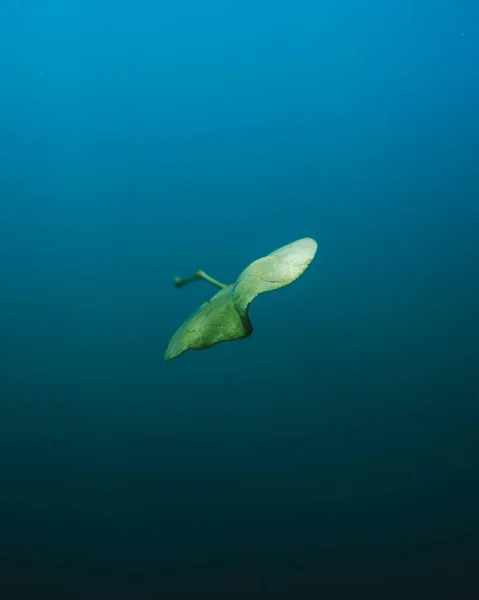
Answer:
(225, 316)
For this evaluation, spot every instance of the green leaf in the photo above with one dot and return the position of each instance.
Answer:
(225, 316)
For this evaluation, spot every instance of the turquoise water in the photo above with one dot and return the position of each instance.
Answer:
(333, 453)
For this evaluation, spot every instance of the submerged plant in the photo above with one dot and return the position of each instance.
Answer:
(224, 317)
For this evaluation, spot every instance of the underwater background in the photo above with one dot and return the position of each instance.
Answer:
(335, 452)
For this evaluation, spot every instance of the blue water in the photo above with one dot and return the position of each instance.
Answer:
(332, 454)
